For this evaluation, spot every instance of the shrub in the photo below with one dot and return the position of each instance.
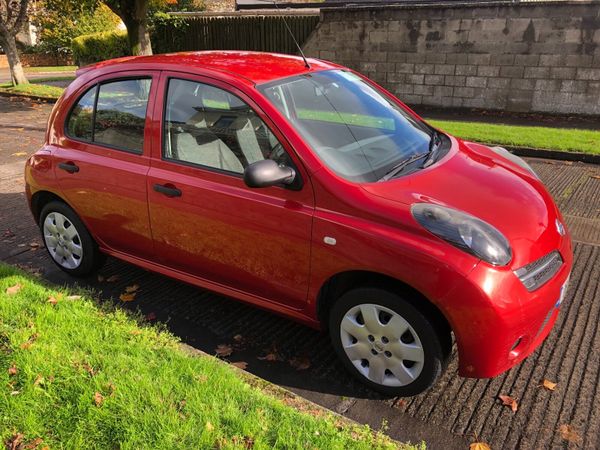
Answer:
(92, 48)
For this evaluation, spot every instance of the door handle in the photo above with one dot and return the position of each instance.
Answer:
(168, 190)
(69, 167)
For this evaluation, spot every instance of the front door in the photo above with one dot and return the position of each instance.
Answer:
(103, 160)
(205, 221)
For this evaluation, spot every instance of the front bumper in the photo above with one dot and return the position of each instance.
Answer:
(499, 322)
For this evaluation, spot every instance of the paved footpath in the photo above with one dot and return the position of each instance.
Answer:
(455, 412)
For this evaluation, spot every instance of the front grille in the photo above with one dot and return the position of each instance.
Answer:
(537, 273)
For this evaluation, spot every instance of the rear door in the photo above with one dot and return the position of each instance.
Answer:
(205, 220)
(103, 159)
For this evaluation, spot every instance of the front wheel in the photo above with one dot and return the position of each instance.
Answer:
(68, 241)
(386, 342)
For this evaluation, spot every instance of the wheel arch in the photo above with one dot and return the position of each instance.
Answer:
(41, 199)
(342, 282)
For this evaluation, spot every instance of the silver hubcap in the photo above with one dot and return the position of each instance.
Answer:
(62, 240)
(382, 345)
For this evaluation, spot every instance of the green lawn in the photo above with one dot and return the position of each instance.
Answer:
(74, 374)
(39, 90)
(50, 69)
(564, 139)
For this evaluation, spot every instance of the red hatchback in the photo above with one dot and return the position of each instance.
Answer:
(308, 190)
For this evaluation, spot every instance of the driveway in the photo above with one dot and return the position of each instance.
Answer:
(455, 412)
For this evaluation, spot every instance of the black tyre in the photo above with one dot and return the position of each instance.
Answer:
(387, 343)
(68, 241)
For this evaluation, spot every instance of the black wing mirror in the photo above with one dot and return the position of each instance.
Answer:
(267, 173)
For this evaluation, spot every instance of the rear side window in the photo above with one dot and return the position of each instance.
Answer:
(82, 116)
(112, 114)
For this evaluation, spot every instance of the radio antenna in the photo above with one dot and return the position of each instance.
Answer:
(306, 64)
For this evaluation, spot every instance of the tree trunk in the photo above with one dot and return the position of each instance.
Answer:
(139, 39)
(14, 62)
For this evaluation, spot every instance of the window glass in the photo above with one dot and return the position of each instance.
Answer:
(208, 126)
(354, 128)
(121, 114)
(80, 120)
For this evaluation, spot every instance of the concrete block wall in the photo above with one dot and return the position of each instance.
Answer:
(522, 57)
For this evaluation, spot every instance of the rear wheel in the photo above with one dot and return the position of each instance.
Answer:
(68, 241)
(386, 342)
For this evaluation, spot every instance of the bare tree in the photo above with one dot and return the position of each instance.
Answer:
(12, 17)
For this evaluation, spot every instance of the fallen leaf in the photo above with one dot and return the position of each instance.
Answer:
(25, 345)
(100, 278)
(135, 332)
(19, 154)
(38, 380)
(98, 398)
(14, 289)
(209, 426)
(479, 446)
(151, 316)
(223, 350)
(52, 300)
(73, 297)
(269, 357)
(127, 297)
(549, 385)
(113, 278)
(13, 393)
(12, 370)
(34, 245)
(240, 365)
(509, 401)
(112, 388)
(400, 403)
(238, 338)
(131, 289)
(33, 444)
(569, 433)
(300, 363)
(89, 369)
(596, 177)
(14, 442)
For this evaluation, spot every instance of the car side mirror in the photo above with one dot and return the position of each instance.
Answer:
(267, 173)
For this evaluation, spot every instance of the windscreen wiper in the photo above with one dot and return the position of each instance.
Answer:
(434, 147)
(402, 164)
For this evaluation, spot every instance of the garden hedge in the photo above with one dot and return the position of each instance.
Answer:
(92, 48)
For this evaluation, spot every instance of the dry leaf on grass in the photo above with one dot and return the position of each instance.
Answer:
(52, 300)
(223, 350)
(73, 297)
(98, 398)
(25, 345)
(240, 365)
(209, 426)
(547, 384)
(479, 446)
(127, 296)
(509, 401)
(12, 370)
(39, 379)
(14, 289)
(132, 289)
(300, 362)
(569, 433)
(14, 442)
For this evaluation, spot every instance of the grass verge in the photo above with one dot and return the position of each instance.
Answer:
(78, 375)
(562, 139)
(50, 69)
(38, 90)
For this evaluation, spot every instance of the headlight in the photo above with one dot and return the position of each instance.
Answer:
(465, 232)
(501, 151)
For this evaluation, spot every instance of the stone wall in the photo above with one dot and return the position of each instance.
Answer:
(526, 57)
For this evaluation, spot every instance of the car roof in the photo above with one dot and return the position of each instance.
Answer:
(253, 67)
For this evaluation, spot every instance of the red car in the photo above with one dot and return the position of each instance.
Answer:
(308, 190)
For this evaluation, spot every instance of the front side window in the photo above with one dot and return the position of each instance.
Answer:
(116, 117)
(211, 127)
(355, 129)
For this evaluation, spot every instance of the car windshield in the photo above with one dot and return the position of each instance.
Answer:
(354, 128)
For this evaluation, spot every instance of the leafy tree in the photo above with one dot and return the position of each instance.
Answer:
(12, 17)
(60, 21)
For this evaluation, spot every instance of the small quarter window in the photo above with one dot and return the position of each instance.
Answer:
(121, 114)
(82, 116)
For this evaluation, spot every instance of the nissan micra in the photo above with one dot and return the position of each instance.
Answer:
(304, 188)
